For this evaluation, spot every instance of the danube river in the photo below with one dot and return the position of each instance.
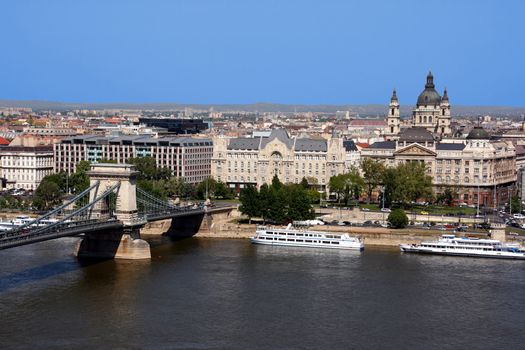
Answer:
(229, 294)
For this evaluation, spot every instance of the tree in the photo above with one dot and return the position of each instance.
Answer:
(249, 202)
(398, 219)
(304, 183)
(79, 181)
(515, 204)
(265, 198)
(222, 191)
(47, 195)
(276, 183)
(299, 207)
(206, 187)
(373, 174)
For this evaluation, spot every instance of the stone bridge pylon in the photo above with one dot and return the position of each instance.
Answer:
(124, 243)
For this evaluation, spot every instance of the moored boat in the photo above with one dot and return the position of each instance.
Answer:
(464, 246)
(290, 236)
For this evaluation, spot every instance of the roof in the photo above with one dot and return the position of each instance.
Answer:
(478, 133)
(245, 143)
(4, 142)
(350, 145)
(416, 134)
(450, 147)
(383, 145)
(299, 144)
(310, 145)
(137, 139)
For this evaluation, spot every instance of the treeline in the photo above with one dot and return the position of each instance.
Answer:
(277, 202)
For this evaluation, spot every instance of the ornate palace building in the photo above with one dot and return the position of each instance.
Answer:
(255, 160)
(479, 170)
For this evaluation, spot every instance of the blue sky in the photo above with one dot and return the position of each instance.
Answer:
(243, 51)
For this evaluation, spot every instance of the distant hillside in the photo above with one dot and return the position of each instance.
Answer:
(371, 110)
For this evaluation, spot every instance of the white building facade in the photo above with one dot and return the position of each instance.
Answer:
(24, 167)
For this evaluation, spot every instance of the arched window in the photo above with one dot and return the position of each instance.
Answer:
(392, 111)
(466, 179)
(443, 111)
(392, 129)
(424, 119)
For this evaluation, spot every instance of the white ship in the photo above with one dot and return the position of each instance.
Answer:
(463, 246)
(303, 238)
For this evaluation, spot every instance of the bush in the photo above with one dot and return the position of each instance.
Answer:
(398, 219)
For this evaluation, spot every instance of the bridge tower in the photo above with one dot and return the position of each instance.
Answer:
(119, 244)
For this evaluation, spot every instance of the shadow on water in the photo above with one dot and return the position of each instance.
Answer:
(43, 272)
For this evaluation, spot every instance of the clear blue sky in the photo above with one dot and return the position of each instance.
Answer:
(243, 51)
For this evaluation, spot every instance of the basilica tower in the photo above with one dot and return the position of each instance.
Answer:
(393, 119)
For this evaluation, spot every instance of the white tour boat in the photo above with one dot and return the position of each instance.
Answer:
(303, 238)
(463, 246)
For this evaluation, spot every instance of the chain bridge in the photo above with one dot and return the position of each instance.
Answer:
(109, 214)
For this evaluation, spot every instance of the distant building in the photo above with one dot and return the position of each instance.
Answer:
(187, 158)
(255, 160)
(177, 126)
(24, 167)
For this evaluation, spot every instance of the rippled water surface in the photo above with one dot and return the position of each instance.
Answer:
(229, 294)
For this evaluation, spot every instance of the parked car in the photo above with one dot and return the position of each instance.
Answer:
(385, 210)
(365, 209)
(518, 216)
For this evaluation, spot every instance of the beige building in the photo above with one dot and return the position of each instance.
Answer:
(24, 167)
(255, 160)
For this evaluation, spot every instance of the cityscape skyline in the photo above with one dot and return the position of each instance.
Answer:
(233, 52)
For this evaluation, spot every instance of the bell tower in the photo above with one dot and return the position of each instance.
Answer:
(443, 125)
(393, 118)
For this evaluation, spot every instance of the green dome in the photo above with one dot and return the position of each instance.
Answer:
(478, 133)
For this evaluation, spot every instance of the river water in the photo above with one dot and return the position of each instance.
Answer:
(229, 294)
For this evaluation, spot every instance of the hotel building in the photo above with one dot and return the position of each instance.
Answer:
(187, 158)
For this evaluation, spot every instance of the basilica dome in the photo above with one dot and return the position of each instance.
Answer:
(429, 96)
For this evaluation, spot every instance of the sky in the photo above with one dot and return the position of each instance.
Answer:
(275, 51)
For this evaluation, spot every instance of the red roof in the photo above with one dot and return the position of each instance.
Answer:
(362, 145)
(4, 142)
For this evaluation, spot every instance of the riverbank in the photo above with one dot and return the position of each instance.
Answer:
(377, 236)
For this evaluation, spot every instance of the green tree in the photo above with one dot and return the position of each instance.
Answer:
(249, 199)
(373, 174)
(147, 167)
(209, 185)
(398, 219)
(515, 204)
(265, 199)
(222, 191)
(276, 183)
(79, 181)
(299, 204)
(304, 183)
(47, 195)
